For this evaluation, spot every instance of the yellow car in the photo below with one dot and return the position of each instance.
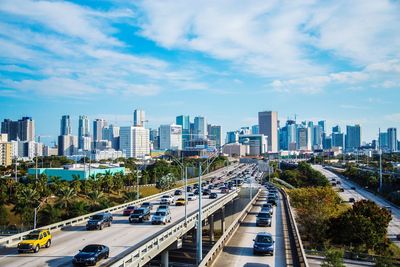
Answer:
(181, 202)
(34, 241)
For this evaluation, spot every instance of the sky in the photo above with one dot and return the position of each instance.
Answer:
(226, 60)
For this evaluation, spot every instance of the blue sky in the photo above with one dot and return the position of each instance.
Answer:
(226, 60)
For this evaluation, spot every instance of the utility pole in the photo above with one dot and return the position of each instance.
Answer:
(199, 223)
(380, 162)
(186, 195)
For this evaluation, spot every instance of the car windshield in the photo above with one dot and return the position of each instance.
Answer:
(139, 211)
(162, 207)
(267, 206)
(97, 217)
(264, 215)
(31, 237)
(264, 239)
(160, 213)
(91, 248)
(146, 204)
(165, 197)
(191, 195)
(181, 199)
(130, 208)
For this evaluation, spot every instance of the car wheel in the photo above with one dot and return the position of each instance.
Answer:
(48, 244)
(20, 251)
(107, 255)
(109, 224)
(36, 249)
(101, 227)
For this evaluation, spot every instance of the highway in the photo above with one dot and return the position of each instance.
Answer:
(361, 193)
(239, 250)
(119, 237)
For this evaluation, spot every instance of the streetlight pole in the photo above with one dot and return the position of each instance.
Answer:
(199, 223)
(380, 162)
(186, 199)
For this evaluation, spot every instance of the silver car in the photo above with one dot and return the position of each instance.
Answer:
(161, 217)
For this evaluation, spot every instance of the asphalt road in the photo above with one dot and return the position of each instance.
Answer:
(119, 237)
(239, 250)
(360, 193)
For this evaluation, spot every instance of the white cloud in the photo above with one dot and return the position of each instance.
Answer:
(395, 117)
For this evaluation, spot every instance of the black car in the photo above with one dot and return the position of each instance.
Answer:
(264, 219)
(267, 208)
(140, 215)
(189, 188)
(206, 192)
(271, 200)
(99, 221)
(178, 192)
(213, 195)
(147, 205)
(91, 254)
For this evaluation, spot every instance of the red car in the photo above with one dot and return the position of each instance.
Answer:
(128, 210)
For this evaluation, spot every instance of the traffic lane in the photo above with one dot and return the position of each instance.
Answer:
(119, 237)
(239, 250)
(360, 193)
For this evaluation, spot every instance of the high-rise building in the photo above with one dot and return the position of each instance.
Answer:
(6, 152)
(98, 126)
(184, 121)
(304, 138)
(336, 129)
(139, 118)
(232, 137)
(318, 137)
(255, 129)
(322, 124)
(392, 139)
(338, 139)
(111, 133)
(67, 145)
(65, 128)
(134, 141)
(383, 141)
(283, 138)
(200, 128)
(170, 137)
(215, 134)
(268, 125)
(353, 137)
(23, 129)
(83, 132)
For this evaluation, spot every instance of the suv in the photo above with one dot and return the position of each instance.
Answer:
(34, 241)
(140, 215)
(267, 208)
(167, 199)
(271, 200)
(161, 217)
(264, 219)
(163, 207)
(98, 221)
(147, 205)
(263, 243)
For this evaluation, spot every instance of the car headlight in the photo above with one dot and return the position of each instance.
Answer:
(92, 258)
(256, 246)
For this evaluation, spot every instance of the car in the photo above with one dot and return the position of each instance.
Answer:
(210, 186)
(352, 200)
(263, 243)
(161, 217)
(206, 192)
(189, 189)
(213, 195)
(140, 215)
(167, 199)
(91, 254)
(268, 208)
(196, 192)
(224, 190)
(192, 197)
(34, 241)
(99, 221)
(271, 200)
(147, 205)
(128, 210)
(163, 207)
(180, 202)
(264, 219)
(338, 182)
(178, 192)
(341, 189)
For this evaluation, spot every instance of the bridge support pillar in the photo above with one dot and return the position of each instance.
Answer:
(165, 258)
(223, 220)
(211, 228)
(193, 234)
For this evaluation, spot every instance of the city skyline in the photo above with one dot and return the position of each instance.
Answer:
(122, 55)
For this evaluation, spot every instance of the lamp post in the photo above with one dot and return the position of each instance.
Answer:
(199, 224)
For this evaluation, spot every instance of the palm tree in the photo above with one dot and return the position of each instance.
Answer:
(95, 197)
(66, 197)
(50, 214)
(78, 208)
(55, 182)
(130, 196)
(26, 199)
(76, 183)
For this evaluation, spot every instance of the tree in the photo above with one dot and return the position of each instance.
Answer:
(49, 215)
(95, 197)
(76, 183)
(3, 215)
(66, 197)
(79, 208)
(364, 226)
(333, 258)
(130, 196)
(166, 182)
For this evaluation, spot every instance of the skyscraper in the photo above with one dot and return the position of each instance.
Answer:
(139, 117)
(98, 126)
(65, 127)
(23, 129)
(322, 124)
(353, 137)
(134, 141)
(268, 125)
(170, 137)
(255, 129)
(336, 129)
(200, 128)
(184, 121)
(83, 131)
(383, 141)
(111, 133)
(318, 136)
(67, 145)
(304, 138)
(392, 139)
(215, 134)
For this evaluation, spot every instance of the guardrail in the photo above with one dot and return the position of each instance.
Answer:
(10, 240)
(224, 239)
(298, 255)
(143, 252)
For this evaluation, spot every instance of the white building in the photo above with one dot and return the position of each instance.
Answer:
(139, 118)
(134, 141)
(67, 145)
(170, 137)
